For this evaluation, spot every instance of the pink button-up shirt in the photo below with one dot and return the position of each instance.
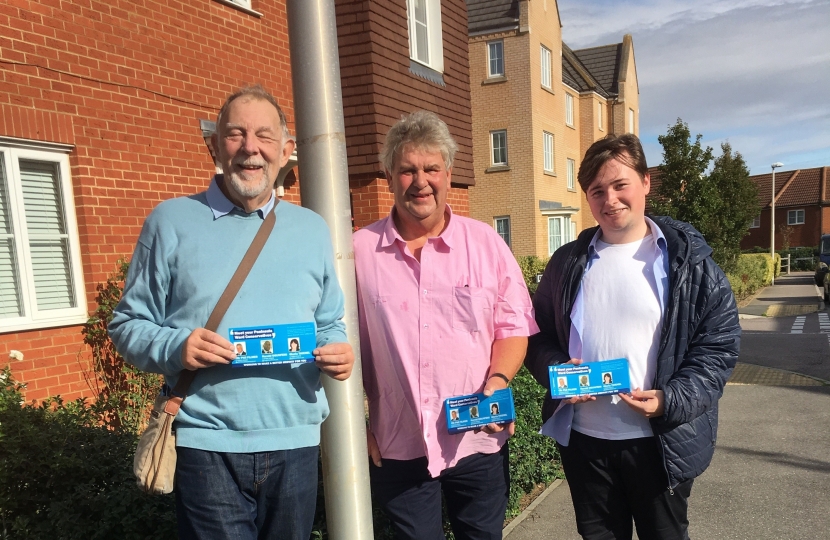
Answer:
(427, 332)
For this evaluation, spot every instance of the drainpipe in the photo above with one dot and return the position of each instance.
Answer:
(324, 188)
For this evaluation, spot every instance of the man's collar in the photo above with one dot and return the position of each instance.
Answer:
(657, 235)
(391, 234)
(222, 206)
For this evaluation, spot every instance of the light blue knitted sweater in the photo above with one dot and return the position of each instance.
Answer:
(182, 262)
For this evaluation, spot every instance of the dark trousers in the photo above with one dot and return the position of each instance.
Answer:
(265, 495)
(475, 491)
(613, 482)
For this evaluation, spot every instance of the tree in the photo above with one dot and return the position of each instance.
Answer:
(720, 203)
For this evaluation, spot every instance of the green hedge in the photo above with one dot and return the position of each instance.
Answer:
(531, 266)
(753, 271)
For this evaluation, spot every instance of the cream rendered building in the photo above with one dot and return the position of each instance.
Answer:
(537, 106)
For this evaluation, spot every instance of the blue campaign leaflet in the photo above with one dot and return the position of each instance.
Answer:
(589, 378)
(475, 410)
(278, 344)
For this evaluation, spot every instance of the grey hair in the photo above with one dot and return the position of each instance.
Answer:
(421, 129)
(255, 91)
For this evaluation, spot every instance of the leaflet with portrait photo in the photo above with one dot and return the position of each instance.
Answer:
(589, 379)
(278, 344)
(476, 410)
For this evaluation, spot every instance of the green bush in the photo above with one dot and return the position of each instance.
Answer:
(806, 254)
(752, 271)
(64, 476)
(531, 265)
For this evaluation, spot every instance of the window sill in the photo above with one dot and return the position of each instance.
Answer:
(548, 90)
(40, 324)
(497, 168)
(494, 80)
(571, 126)
(572, 190)
(549, 173)
(243, 9)
(426, 72)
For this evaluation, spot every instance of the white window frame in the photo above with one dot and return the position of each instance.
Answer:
(569, 109)
(571, 173)
(499, 46)
(795, 217)
(756, 223)
(493, 136)
(505, 234)
(30, 317)
(545, 60)
(567, 231)
(547, 152)
(599, 117)
(631, 120)
(434, 54)
(243, 3)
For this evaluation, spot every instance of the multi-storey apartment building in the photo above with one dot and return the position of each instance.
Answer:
(537, 107)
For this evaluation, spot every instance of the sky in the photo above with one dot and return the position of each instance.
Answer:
(755, 73)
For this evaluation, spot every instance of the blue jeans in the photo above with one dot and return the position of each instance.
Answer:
(246, 496)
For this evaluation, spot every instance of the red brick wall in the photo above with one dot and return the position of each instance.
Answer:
(806, 235)
(126, 82)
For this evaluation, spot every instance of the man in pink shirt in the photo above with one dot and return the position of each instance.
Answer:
(444, 311)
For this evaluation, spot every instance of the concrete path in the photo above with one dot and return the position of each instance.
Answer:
(770, 477)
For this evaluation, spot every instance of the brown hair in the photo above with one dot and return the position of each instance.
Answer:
(255, 91)
(624, 148)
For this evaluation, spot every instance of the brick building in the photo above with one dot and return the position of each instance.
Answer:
(386, 73)
(101, 114)
(802, 208)
(537, 107)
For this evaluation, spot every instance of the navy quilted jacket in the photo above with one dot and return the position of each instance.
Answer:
(699, 341)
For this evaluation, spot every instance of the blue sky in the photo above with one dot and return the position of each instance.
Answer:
(755, 73)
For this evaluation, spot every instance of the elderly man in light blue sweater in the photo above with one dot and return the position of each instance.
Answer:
(247, 438)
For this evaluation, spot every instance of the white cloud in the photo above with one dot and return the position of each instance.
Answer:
(751, 71)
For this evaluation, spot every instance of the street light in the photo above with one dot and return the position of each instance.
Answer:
(772, 220)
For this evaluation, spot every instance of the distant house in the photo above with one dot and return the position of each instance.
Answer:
(537, 106)
(802, 208)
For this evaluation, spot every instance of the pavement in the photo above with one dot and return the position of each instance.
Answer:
(770, 476)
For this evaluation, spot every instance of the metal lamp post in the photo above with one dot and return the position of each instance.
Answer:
(772, 220)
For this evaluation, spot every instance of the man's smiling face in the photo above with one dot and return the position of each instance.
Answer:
(420, 182)
(617, 198)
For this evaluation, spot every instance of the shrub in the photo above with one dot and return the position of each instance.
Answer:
(65, 476)
(531, 266)
(752, 271)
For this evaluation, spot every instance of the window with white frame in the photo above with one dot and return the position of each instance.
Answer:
(41, 284)
(599, 115)
(795, 217)
(569, 109)
(547, 150)
(495, 59)
(571, 173)
(243, 3)
(756, 223)
(502, 225)
(561, 230)
(425, 37)
(545, 67)
(498, 147)
(631, 120)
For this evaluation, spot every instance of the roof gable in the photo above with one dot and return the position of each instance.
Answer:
(604, 65)
(492, 15)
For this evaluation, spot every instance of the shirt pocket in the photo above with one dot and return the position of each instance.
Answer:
(471, 309)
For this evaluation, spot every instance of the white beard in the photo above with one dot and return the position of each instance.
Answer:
(247, 190)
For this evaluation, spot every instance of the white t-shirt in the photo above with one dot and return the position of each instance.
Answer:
(621, 319)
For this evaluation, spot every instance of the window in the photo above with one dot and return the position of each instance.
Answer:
(243, 3)
(545, 67)
(561, 230)
(569, 109)
(795, 217)
(631, 120)
(571, 173)
(40, 270)
(425, 39)
(756, 223)
(495, 59)
(548, 150)
(503, 228)
(498, 145)
(599, 115)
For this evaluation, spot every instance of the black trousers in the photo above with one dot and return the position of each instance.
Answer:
(475, 491)
(615, 482)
